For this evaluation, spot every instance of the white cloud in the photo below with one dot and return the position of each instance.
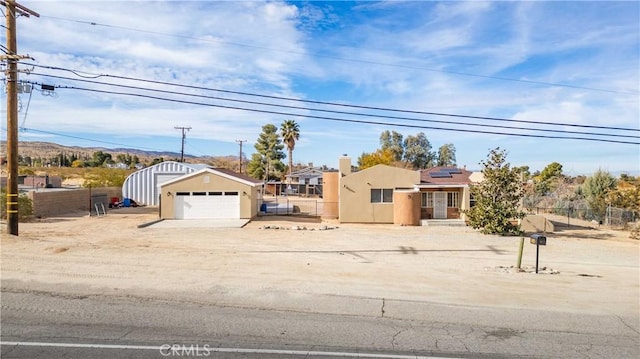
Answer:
(402, 52)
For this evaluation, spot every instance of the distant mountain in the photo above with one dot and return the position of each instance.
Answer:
(35, 149)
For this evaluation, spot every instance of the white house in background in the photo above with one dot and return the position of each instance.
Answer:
(309, 175)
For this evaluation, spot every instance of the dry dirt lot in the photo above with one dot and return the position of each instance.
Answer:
(585, 270)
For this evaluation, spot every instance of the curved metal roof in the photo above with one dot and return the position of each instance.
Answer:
(142, 186)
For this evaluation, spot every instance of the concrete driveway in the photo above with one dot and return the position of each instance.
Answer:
(200, 223)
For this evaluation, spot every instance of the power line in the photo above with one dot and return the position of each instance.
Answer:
(341, 112)
(348, 120)
(368, 62)
(317, 102)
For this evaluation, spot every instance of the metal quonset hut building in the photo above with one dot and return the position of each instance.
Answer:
(143, 186)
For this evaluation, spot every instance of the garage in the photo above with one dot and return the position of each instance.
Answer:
(210, 193)
(213, 205)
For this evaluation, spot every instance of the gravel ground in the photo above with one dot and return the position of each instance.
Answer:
(582, 270)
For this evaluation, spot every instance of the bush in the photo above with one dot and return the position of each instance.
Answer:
(25, 206)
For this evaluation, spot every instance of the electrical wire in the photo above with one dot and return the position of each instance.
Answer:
(360, 61)
(335, 103)
(26, 111)
(346, 120)
(334, 111)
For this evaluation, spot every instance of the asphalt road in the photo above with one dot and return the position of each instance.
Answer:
(45, 325)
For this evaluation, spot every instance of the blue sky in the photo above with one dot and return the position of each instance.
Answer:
(570, 63)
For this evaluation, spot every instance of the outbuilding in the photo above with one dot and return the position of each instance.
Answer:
(210, 193)
(143, 186)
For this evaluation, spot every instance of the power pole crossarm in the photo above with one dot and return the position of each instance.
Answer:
(184, 136)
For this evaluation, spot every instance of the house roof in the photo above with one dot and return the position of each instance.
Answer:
(220, 172)
(445, 176)
(309, 171)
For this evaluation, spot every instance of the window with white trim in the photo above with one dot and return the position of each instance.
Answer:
(426, 200)
(452, 199)
(382, 195)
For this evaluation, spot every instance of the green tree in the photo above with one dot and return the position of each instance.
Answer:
(549, 179)
(392, 141)
(290, 132)
(269, 147)
(100, 159)
(135, 160)
(447, 155)
(379, 157)
(525, 172)
(417, 151)
(596, 189)
(497, 197)
(256, 167)
(553, 170)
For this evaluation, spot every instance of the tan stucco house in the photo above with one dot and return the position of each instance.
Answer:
(385, 194)
(367, 196)
(211, 193)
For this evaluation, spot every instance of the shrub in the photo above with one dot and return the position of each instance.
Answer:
(25, 206)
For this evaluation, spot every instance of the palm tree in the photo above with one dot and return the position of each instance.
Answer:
(290, 132)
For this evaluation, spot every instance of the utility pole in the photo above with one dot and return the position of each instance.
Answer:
(240, 157)
(11, 9)
(184, 136)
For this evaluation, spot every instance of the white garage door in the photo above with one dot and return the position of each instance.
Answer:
(214, 205)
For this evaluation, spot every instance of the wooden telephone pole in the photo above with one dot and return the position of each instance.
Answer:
(240, 157)
(184, 136)
(11, 9)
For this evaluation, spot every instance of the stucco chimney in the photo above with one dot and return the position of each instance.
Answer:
(344, 165)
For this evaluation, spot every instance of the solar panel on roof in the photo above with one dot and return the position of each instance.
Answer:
(451, 170)
(440, 175)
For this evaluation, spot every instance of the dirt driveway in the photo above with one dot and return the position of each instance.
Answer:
(586, 270)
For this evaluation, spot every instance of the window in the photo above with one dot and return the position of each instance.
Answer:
(381, 195)
(199, 193)
(376, 195)
(215, 193)
(452, 199)
(183, 193)
(387, 195)
(231, 193)
(427, 199)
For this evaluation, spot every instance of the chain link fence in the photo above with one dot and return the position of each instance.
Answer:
(292, 206)
(615, 217)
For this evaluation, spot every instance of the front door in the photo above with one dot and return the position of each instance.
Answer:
(440, 205)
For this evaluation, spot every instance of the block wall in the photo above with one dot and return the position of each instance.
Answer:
(51, 203)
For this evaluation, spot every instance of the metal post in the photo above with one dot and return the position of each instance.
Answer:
(537, 254)
(520, 250)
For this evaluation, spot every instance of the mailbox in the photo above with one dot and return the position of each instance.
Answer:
(538, 239)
